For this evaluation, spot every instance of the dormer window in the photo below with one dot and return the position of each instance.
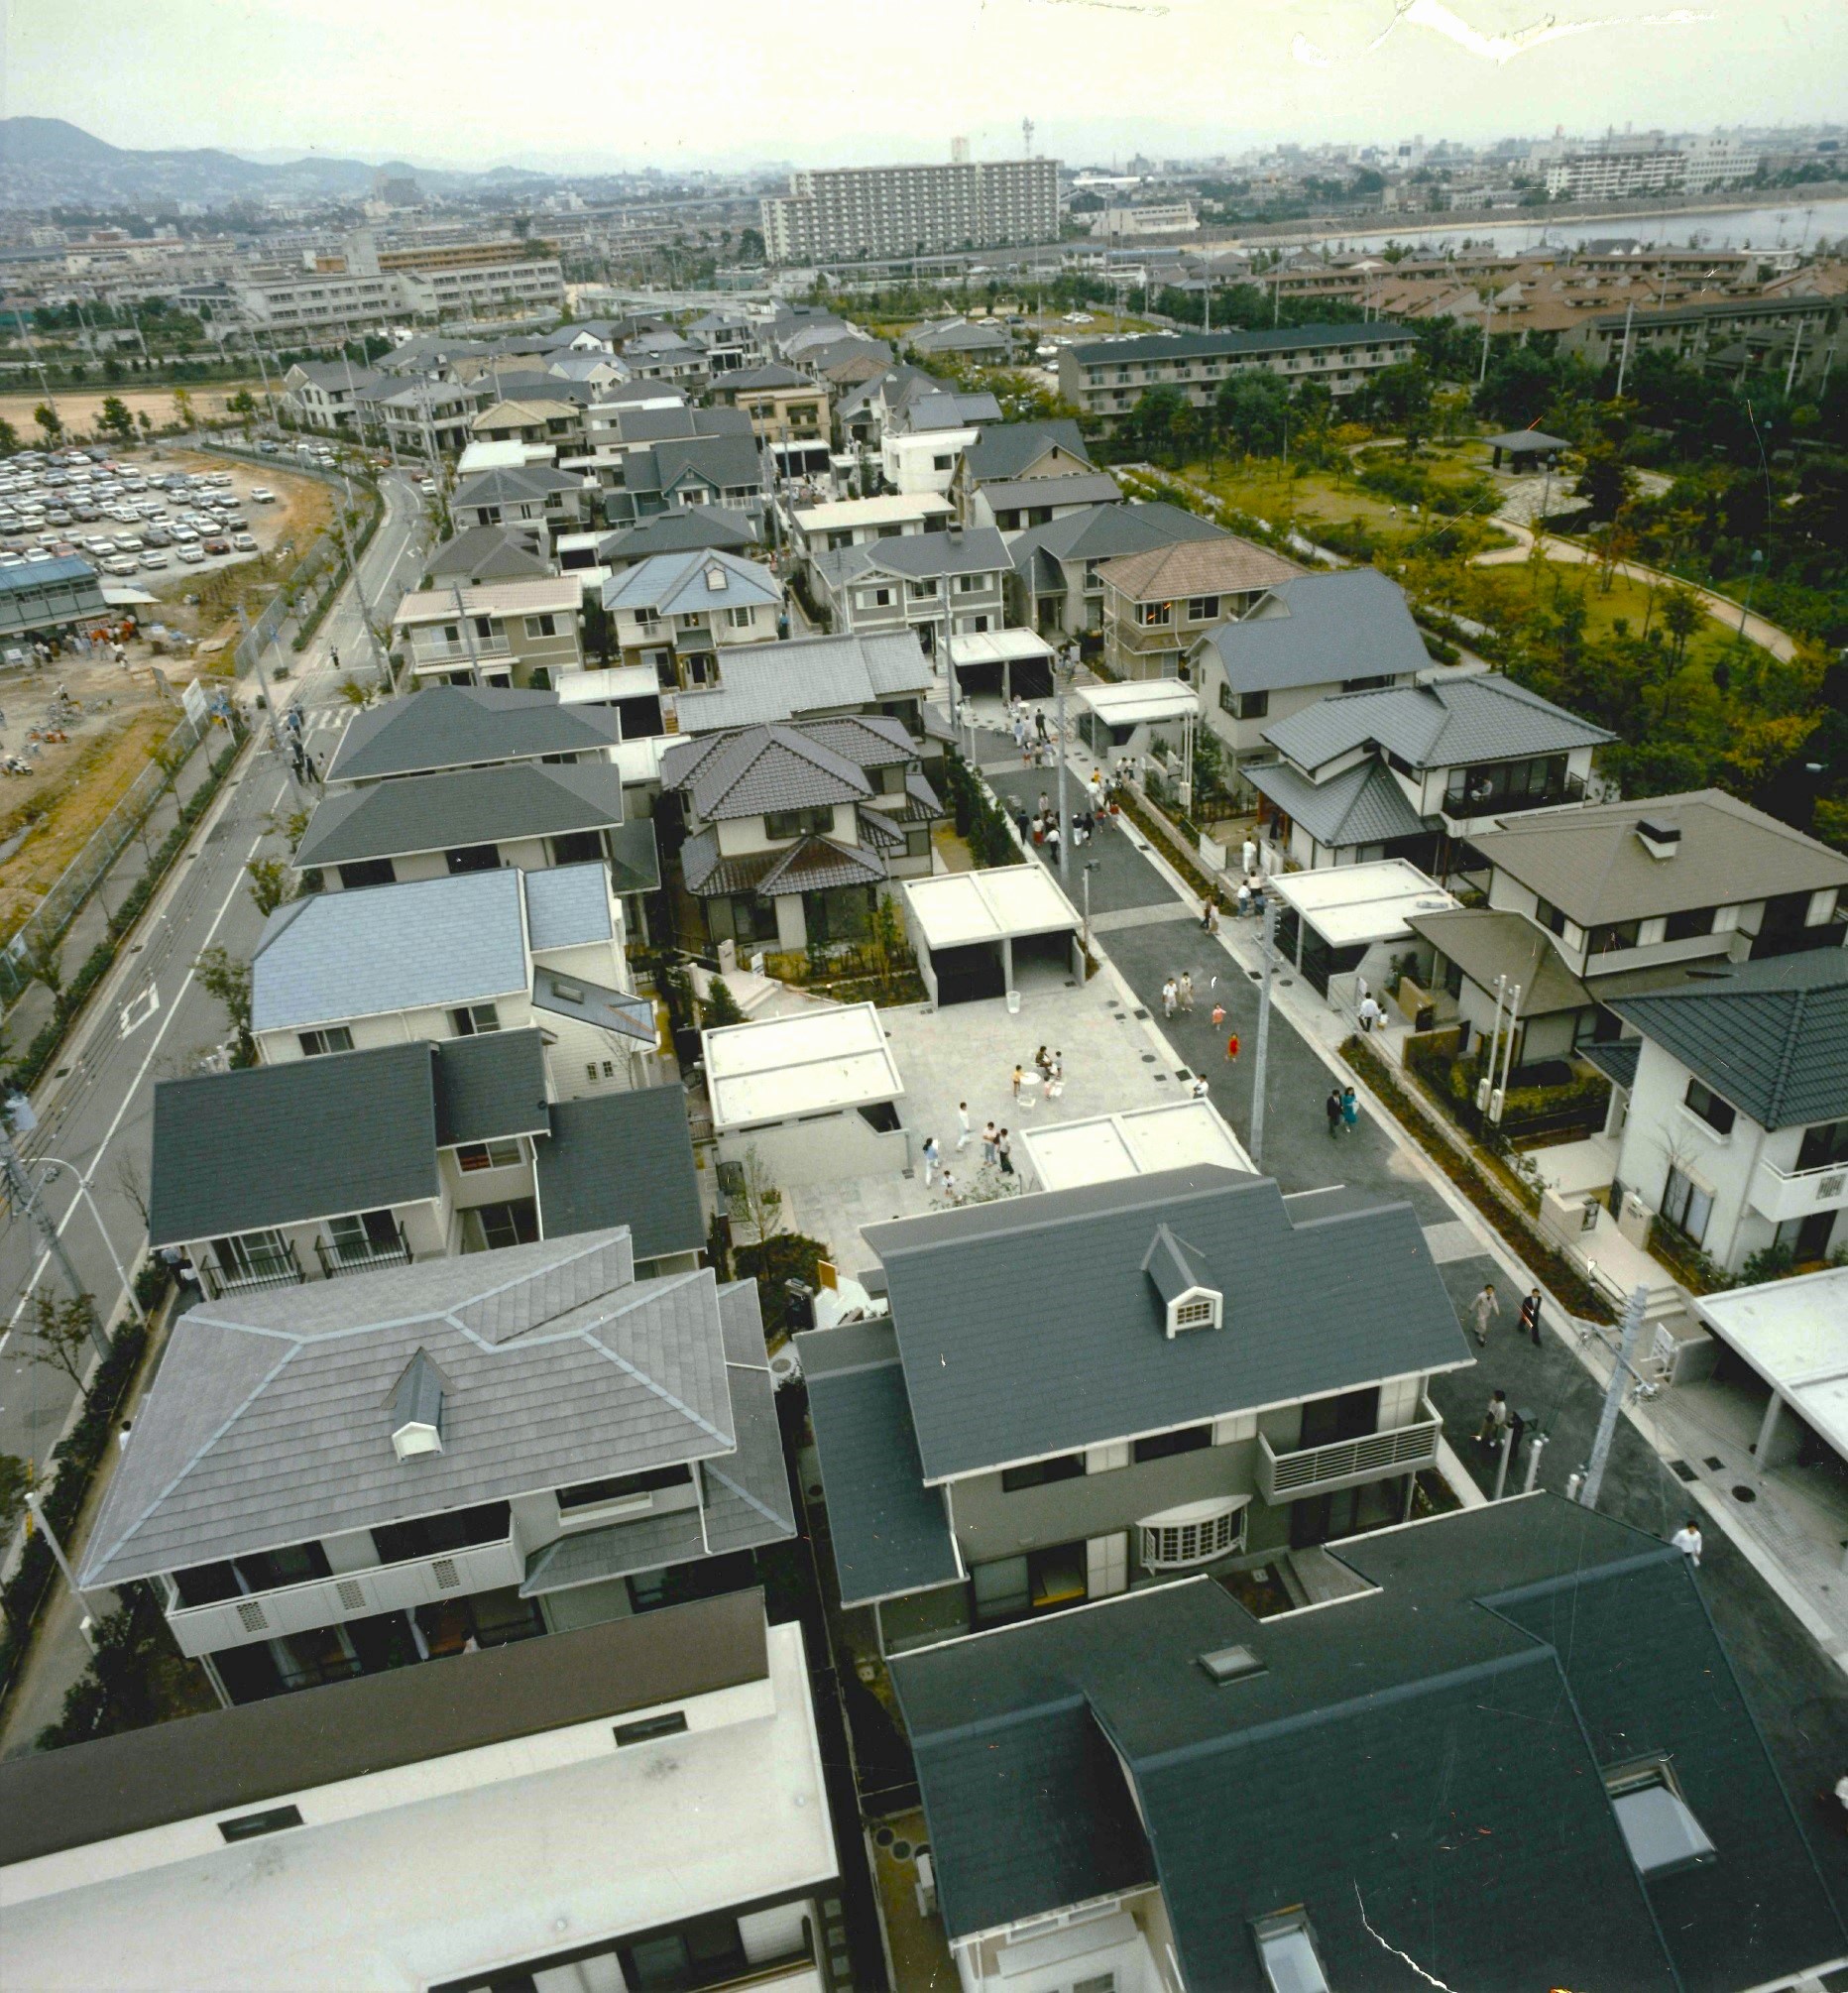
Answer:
(417, 1410)
(1191, 1295)
(1199, 1311)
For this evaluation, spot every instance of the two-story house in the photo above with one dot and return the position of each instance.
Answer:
(829, 528)
(1158, 604)
(524, 494)
(814, 678)
(1014, 505)
(1588, 904)
(950, 582)
(1086, 1390)
(532, 418)
(1303, 641)
(271, 1176)
(786, 834)
(783, 405)
(520, 633)
(923, 427)
(1054, 586)
(1511, 1750)
(370, 1472)
(693, 529)
(446, 726)
(481, 553)
(725, 470)
(677, 611)
(1729, 1112)
(1414, 771)
(324, 394)
(472, 952)
(1020, 453)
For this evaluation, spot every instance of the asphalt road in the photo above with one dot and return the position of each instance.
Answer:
(151, 1019)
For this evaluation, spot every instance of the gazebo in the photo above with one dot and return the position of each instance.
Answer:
(1526, 449)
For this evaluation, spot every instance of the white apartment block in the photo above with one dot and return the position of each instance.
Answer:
(846, 211)
(1119, 224)
(1611, 175)
(330, 299)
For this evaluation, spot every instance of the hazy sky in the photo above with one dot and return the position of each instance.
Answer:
(479, 82)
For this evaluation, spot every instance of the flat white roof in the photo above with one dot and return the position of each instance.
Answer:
(451, 1868)
(641, 760)
(500, 456)
(891, 510)
(1128, 705)
(1348, 904)
(1174, 1136)
(960, 908)
(621, 681)
(814, 1063)
(1794, 1335)
(999, 647)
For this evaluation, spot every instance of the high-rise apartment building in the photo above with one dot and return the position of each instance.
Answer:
(846, 211)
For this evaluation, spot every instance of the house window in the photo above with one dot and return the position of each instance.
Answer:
(1690, 922)
(1823, 1146)
(474, 857)
(1162, 1446)
(1549, 916)
(432, 1534)
(970, 584)
(1616, 934)
(707, 1952)
(799, 823)
(1659, 1826)
(882, 598)
(1197, 1314)
(364, 1235)
(335, 1038)
(367, 872)
(941, 463)
(470, 1020)
(472, 1156)
(543, 626)
(1154, 614)
(1686, 1206)
(739, 618)
(513, 1223)
(578, 848)
(1191, 1538)
(923, 591)
(617, 1489)
(1203, 608)
(255, 1256)
(1718, 1114)
(1253, 705)
(1038, 1473)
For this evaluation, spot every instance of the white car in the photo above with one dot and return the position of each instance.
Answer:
(156, 557)
(243, 542)
(184, 533)
(427, 487)
(34, 553)
(122, 563)
(191, 551)
(261, 494)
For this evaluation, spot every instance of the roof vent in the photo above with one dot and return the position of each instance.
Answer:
(1191, 1297)
(714, 579)
(418, 1409)
(1230, 1664)
(1661, 835)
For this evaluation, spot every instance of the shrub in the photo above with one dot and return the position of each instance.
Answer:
(785, 1255)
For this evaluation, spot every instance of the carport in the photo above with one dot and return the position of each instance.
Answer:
(1141, 717)
(983, 934)
(1004, 662)
(1346, 921)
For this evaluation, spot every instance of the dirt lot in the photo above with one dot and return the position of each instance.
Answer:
(80, 408)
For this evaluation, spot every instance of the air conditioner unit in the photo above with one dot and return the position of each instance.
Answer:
(1588, 1215)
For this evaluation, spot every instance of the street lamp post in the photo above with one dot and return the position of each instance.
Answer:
(1751, 584)
(1063, 675)
(51, 1165)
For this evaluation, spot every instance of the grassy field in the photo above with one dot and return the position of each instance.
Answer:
(1521, 585)
(1271, 489)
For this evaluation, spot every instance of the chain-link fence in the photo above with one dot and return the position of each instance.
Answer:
(48, 921)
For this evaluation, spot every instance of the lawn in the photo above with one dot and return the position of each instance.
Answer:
(1517, 587)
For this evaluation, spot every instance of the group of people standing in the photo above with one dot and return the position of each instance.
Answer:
(997, 1150)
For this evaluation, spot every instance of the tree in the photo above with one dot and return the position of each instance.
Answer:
(272, 884)
(49, 419)
(1606, 480)
(147, 424)
(15, 1485)
(1155, 422)
(721, 1006)
(9, 439)
(1682, 614)
(763, 1208)
(223, 975)
(115, 419)
(1252, 410)
(45, 963)
(183, 412)
(59, 1334)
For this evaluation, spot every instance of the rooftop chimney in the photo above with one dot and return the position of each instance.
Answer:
(1661, 835)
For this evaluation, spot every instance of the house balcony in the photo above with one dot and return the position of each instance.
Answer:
(361, 1255)
(269, 1270)
(351, 1595)
(1780, 1194)
(430, 653)
(1462, 806)
(1349, 1463)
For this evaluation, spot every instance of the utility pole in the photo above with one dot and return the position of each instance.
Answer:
(35, 1502)
(1623, 357)
(359, 586)
(1264, 1006)
(1613, 1396)
(468, 636)
(1064, 671)
(23, 1195)
(269, 708)
(1790, 372)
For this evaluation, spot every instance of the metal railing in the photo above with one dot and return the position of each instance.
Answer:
(269, 1270)
(359, 1254)
(1348, 1462)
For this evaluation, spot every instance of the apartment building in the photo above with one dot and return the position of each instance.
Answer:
(373, 1473)
(676, 612)
(536, 284)
(1731, 337)
(1107, 378)
(1089, 1390)
(1132, 224)
(336, 300)
(1609, 175)
(834, 213)
(510, 634)
(954, 580)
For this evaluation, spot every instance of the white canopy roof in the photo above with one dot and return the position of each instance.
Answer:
(1349, 904)
(813, 1062)
(960, 908)
(999, 647)
(1174, 1136)
(891, 508)
(1139, 700)
(622, 682)
(1794, 1335)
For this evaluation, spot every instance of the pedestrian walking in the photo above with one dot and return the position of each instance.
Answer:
(1248, 858)
(1370, 1013)
(1184, 991)
(1043, 1060)
(333, 651)
(962, 1119)
(1045, 804)
(949, 1186)
(1495, 1423)
(1199, 1089)
(1052, 844)
(932, 1156)
(1039, 723)
(1484, 1309)
(1004, 1153)
(1332, 1107)
(1245, 899)
(1361, 991)
(1231, 1047)
(1023, 822)
(1219, 1015)
(1530, 1317)
(1019, 1075)
(1351, 1110)
(1055, 1077)
(1170, 996)
(990, 1134)
(1686, 1540)
(1213, 915)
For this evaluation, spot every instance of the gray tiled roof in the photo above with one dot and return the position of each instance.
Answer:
(759, 768)
(1029, 1328)
(466, 725)
(891, 1533)
(462, 807)
(747, 1499)
(1593, 867)
(1770, 1037)
(1082, 488)
(1008, 450)
(975, 550)
(1486, 942)
(1213, 346)
(723, 462)
(819, 865)
(1319, 629)
(490, 1087)
(634, 859)
(696, 525)
(1615, 1058)
(486, 554)
(623, 1159)
(567, 906)
(270, 1422)
(1107, 530)
(771, 682)
(772, 376)
(589, 1557)
(586, 1003)
(659, 426)
(512, 486)
(1360, 805)
(283, 1144)
(331, 957)
(1482, 718)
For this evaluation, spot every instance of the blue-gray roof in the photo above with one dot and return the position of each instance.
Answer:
(1101, 532)
(769, 682)
(1009, 450)
(1321, 630)
(1231, 345)
(1468, 720)
(330, 957)
(567, 906)
(466, 725)
(891, 1533)
(459, 807)
(681, 584)
(1360, 805)
(623, 1158)
(1030, 1328)
(34, 573)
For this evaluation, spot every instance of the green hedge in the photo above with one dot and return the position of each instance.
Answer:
(978, 820)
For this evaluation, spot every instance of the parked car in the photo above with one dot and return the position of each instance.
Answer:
(216, 544)
(191, 552)
(243, 542)
(267, 447)
(119, 563)
(157, 556)
(261, 494)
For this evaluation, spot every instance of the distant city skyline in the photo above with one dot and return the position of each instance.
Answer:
(426, 82)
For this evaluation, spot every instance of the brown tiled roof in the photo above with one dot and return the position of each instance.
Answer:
(1227, 566)
(818, 863)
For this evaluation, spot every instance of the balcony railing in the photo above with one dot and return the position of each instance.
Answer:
(269, 1270)
(427, 650)
(1346, 1463)
(1466, 803)
(338, 1256)
(1778, 1194)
